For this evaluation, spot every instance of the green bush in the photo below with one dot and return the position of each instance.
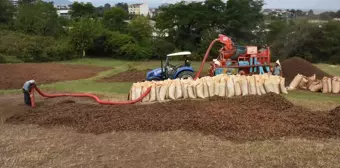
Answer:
(116, 41)
(136, 52)
(30, 48)
(2, 59)
(61, 50)
(161, 48)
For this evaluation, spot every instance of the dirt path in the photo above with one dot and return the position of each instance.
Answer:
(13, 76)
(131, 75)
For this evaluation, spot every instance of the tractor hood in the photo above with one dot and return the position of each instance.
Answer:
(154, 74)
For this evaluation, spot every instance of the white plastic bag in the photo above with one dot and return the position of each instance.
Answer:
(231, 87)
(222, 88)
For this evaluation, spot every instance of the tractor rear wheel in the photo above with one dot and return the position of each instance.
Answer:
(186, 75)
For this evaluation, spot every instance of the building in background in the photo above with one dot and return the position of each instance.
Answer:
(15, 2)
(139, 9)
(63, 11)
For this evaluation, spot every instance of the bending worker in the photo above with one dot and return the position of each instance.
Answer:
(26, 89)
(277, 69)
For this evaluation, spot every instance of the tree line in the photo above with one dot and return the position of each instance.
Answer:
(33, 31)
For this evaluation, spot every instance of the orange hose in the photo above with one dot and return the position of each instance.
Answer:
(205, 58)
(86, 95)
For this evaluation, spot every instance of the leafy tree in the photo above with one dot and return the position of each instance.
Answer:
(311, 13)
(107, 6)
(241, 17)
(140, 28)
(276, 28)
(114, 18)
(186, 22)
(99, 11)
(6, 11)
(81, 9)
(39, 18)
(115, 41)
(21, 2)
(123, 5)
(83, 33)
(161, 47)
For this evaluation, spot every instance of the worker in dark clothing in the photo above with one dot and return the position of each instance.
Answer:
(26, 89)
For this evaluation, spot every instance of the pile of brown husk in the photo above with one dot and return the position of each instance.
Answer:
(263, 117)
(293, 66)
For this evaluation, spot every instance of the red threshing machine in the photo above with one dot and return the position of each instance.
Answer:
(232, 59)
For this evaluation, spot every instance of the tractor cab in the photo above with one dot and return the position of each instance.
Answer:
(170, 71)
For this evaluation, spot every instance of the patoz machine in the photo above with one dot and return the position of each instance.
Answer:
(169, 71)
(232, 59)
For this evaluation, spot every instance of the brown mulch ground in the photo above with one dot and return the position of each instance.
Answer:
(240, 118)
(131, 75)
(292, 66)
(13, 76)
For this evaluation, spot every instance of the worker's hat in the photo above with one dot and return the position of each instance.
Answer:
(278, 62)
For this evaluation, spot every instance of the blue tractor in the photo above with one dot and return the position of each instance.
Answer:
(169, 71)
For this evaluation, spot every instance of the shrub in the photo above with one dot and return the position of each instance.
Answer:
(116, 41)
(136, 52)
(2, 59)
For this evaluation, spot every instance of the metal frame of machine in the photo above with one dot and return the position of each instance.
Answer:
(242, 60)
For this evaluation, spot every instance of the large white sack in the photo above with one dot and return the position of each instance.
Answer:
(222, 88)
(295, 82)
(200, 89)
(252, 85)
(152, 93)
(329, 85)
(316, 86)
(325, 85)
(158, 90)
(261, 86)
(205, 88)
(164, 91)
(211, 86)
(145, 87)
(268, 85)
(276, 84)
(237, 85)
(192, 89)
(172, 90)
(132, 92)
(303, 83)
(244, 86)
(230, 87)
(185, 84)
(257, 84)
(216, 86)
(311, 79)
(138, 91)
(335, 85)
(168, 82)
(282, 85)
(179, 93)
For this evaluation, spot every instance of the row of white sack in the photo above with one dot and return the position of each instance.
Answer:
(220, 85)
(326, 85)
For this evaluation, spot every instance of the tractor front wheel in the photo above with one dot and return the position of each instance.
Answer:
(186, 75)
